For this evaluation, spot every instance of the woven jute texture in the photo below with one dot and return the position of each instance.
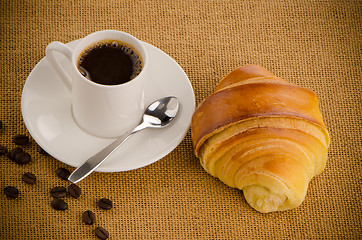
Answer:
(315, 44)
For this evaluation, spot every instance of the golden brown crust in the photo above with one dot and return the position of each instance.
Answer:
(246, 73)
(241, 102)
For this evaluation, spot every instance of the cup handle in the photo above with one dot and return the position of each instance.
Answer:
(67, 52)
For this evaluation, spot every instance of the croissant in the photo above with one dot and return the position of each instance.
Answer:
(262, 135)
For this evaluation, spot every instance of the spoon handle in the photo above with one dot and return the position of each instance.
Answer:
(93, 162)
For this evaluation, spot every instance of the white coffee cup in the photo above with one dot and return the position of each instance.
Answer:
(102, 110)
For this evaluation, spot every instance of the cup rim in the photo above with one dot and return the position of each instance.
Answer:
(141, 50)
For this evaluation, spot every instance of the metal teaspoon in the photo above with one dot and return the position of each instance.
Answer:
(158, 114)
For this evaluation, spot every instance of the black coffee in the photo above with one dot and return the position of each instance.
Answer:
(110, 63)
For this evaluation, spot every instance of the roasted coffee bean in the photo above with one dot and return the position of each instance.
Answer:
(11, 192)
(29, 178)
(74, 190)
(59, 204)
(14, 152)
(101, 233)
(21, 139)
(58, 192)
(63, 173)
(22, 158)
(89, 217)
(41, 150)
(105, 203)
(3, 150)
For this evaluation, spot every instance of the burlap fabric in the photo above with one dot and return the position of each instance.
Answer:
(315, 44)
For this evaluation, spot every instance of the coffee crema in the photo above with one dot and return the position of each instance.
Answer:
(110, 62)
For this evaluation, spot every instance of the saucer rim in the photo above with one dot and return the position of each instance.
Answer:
(156, 157)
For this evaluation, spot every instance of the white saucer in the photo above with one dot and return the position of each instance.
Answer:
(46, 110)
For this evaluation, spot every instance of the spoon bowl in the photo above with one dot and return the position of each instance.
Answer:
(161, 112)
